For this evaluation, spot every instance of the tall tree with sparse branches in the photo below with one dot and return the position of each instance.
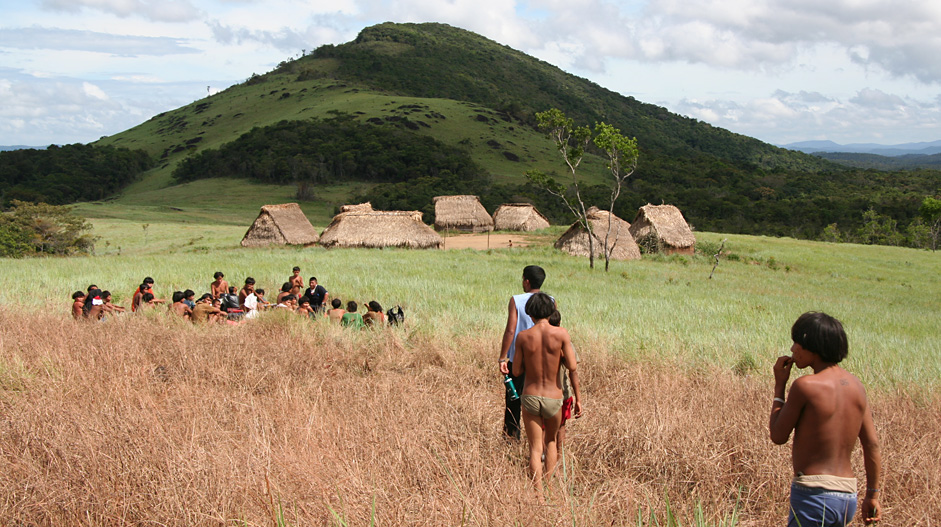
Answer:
(572, 142)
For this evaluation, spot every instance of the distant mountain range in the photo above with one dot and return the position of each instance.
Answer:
(7, 148)
(814, 147)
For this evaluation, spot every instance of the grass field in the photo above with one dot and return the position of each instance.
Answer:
(143, 420)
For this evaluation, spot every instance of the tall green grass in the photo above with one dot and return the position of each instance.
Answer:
(658, 308)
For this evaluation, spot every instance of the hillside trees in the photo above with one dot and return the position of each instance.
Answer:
(930, 212)
(571, 142)
(65, 174)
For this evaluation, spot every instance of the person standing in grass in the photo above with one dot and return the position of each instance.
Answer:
(540, 352)
(827, 411)
(296, 281)
(516, 321)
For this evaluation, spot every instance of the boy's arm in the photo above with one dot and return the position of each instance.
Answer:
(571, 362)
(508, 333)
(784, 416)
(872, 457)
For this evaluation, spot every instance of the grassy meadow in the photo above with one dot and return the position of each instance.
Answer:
(288, 421)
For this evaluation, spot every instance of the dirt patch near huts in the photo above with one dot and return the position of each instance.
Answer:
(483, 241)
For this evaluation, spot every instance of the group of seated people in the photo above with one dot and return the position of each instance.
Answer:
(224, 304)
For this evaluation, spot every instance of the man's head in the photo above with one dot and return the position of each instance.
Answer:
(177, 296)
(78, 295)
(533, 277)
(149, 280)
(821, 334)
(205, 298)
(218, 275)
(540, 306)
(313, 281)
(296, 270)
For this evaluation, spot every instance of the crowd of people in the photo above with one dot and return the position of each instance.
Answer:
(227, 304)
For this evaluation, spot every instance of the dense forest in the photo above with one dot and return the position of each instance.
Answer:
(66, 174)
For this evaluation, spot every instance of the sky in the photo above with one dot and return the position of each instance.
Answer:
(783, 71)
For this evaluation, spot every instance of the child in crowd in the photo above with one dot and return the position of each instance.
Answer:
(246, 290)
(92, 309)
(285, 291)
(189, 298)
(335, 313)
(109, 306)
(205, 311)
(374, 315)
(351, 318)
(304, 308)
(296, 281)
(78, 301)
(219, 286)
(179, 308)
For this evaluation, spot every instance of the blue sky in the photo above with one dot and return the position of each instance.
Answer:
(780, 70)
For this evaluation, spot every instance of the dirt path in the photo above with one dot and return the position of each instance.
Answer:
(483, 241)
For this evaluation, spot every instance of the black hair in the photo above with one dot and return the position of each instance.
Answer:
(78, 294)
(288, 298)
(259, 292)
(303, 300)
(148, 280)
(821, 334)
(144, 286)
(314, 278)
(540, 306)
(374, 306)
(177, 296)
(336, 303)
(286, 286)
(555, 319)
(204, 297)
(146, 297)
(218, 275)
(105, 294)
(188, 293)
(92, 286)
(535, 274)
(231, 289)
(249, 281)
(352, 306)
(296, 268)
(90, 300)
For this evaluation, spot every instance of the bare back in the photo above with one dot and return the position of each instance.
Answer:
(544, 348)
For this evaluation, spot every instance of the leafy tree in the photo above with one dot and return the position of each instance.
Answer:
(879, 229)
(571, 141)
(39, 228)
(930, 212)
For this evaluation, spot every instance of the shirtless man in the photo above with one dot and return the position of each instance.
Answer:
(180, 308)
(827, 411)
(78, 300)
(296, 281)
(219, 287)
(541, 350)
(335, 314)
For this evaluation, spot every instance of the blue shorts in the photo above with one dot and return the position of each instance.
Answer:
(820, 508)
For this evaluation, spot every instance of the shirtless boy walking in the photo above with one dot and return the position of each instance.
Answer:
(827, 411)
(541, 349)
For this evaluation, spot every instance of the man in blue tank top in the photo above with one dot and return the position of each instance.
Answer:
(517, 320)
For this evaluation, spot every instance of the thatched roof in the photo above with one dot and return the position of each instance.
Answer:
(662, 228)
(463, 213)
(575, 240)
(518, 217)
(362, 207)
(283, 224)
(375, 228)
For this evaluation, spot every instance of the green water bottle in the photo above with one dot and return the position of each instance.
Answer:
(510, 389)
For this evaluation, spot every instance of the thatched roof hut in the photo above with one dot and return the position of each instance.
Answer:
(662, 228)
(376, 229)
(518, 217)
(283, 224)
(575, 240)
(462, 213)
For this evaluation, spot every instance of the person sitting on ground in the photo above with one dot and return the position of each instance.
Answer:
(317, 294)
(230, 301)
(147, 302)
(179, 308)
(107, 305)
(543, 349)
(374, 315)
(205, 312)
(335, 313)
(285, 291)
(303, 307)
(219, 286)
(296, 281)
(351, 318)
(189, 298)
(92, 309)
(288, 302)
(827, 411)
(78, 301)
(246, 290)
(135, 298)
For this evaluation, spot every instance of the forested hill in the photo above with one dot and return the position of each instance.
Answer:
(440, 61)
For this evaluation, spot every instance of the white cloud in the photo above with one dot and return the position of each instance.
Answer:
(155, 10)
(80, 40)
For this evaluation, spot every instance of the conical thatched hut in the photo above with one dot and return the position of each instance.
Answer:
(518, 217)
(377, 229)
(575, 240)
(283, 224)
(662, 228)
(461, 213)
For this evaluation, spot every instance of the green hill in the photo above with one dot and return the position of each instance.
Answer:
(470, 93)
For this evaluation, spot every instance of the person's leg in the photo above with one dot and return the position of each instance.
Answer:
(534, 433)
(552, 453)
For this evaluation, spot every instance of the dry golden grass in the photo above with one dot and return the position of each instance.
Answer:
(145, 421)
